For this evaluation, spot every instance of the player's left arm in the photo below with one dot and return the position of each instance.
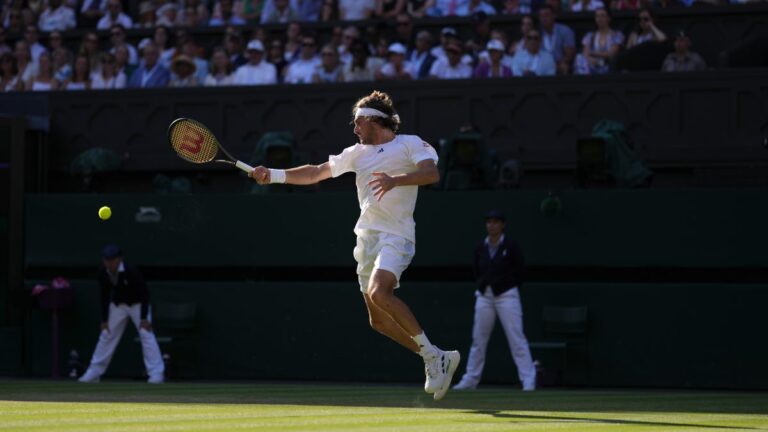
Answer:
(426, 173)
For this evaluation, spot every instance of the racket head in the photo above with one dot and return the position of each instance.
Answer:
(192, 140)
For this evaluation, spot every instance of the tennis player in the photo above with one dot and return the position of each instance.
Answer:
(389, 169)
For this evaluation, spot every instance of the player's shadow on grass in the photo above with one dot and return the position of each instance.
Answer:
(500, 414)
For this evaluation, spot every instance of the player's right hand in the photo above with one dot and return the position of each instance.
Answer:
(260, 174)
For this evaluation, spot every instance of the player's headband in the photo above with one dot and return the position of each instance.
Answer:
(373, 112)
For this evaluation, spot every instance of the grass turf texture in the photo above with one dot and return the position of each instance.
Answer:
(133, 406)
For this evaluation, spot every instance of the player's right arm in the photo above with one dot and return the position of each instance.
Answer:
(303, 175)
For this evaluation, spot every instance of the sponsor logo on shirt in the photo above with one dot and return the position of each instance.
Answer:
(381, 150)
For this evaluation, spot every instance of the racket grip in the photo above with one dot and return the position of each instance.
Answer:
(244, 166)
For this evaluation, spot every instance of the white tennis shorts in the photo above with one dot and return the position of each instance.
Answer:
(380, 250)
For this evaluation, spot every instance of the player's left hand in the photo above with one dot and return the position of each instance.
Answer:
(146, 325)
(381, 184)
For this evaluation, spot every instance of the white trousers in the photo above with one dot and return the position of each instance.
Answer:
(510, 312)
(108, 340)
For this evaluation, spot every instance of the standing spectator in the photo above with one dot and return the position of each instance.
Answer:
(419, 8)
(330, 69)
(43, 80)
(109, 77)
(646, 30)
(183, 72)
(445, 8)
(498, 266)
(151, 74)
(227, 16)
(57, 17)
(683, 59)
(276, 56)
(421, 59)
(362, 67)
(587, 5)
(26, 68)
(114, 15)
(475, 6)
(533, 61)
(124, 296)
(356, 10)
(32, 37)
(256, 71)
(389, 8)
(117, 36)
(9, 73)
(493, 68)
(396, 68)
(221, 69)
(557, 39)
(300, 71)
(62, 68)
(147, 15)
(282, 13)
(81, 75)
(599, 47)
(91, 12)
(451, 67)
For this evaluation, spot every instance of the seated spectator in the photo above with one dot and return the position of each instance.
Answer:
(292, 47)
(356, 10)
(533, 61)
(147, 15)
(301, 70)
(397, 68)
(451, 67)
(81, 75)
(443, 8)
(9, 74)
(330, 69)
(221, 72)
(493, 67)
(227, 15)
(481, 34)
(447, 35)
(121, 63)
(233, 45)
(309, 11)
(646, 30)
(32, 37)
(201, 13)
(389, 8)
(256, 71)
(474, 6)
(183, 72)
(418, 8)
(62, 68)
(282, 13)
(329, 11)
(599, 47)
(421, 59)
(587, 5)
(56, 17)
(276, 56)
(161, 39)
(55, 40)
(516, 7)
(109, 77)
(89, 46)
(114, 15)
(91, 12)
(350, 35)
(627, 4)
(27, 70)
(362, 67)
(14, 22)
(526, 25)
(167, 15)
(191, 50)
(683, 59)
(404, 30)
(557, 39)
(4, 47)
(151, 74)
(117, 36)
(43, 80)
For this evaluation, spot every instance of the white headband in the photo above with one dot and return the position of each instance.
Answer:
(373, 112)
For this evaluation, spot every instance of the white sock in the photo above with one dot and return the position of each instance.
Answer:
(425, 347)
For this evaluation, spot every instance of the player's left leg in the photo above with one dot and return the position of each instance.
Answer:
(510, 313)
(153, 358)
(383, 323)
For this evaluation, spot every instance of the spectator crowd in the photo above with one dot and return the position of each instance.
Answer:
(370, 40)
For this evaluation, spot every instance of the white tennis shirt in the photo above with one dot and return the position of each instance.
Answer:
(394, 213)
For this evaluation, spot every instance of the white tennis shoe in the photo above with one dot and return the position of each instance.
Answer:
(89, 377)
(432, 372)
(449, 362)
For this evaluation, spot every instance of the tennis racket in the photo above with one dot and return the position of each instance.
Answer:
(195, 143)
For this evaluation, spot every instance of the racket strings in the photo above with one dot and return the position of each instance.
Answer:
(194, 143)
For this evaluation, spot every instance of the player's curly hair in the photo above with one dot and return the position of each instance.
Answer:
(382, 102)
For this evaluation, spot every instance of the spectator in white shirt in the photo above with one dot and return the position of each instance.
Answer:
(533, 61)
(114, 16)
(301, 70)
(355, 10)
(117, 36)
(32, 37)
(227, 15)
(396, 68)
(56, 17)
(475, 6)
(91, 12)
(586, 5)
(221, 69)
(109, 77)
(256, 71)
(282, 13)
(167, 15)
(448, 7)
(451, 67)
(330, 69)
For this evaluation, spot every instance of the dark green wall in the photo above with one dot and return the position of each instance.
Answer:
(665, 335)
(608, 228)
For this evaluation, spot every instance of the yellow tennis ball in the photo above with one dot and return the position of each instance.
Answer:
(105, 213)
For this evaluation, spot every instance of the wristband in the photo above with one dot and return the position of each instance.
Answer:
(276, 176)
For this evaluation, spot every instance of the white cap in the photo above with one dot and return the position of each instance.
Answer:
(448, 30)
(495, 44)
(255, 45)
(144, 42)
(397, 48)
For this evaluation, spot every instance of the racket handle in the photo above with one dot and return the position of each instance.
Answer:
(244, 166)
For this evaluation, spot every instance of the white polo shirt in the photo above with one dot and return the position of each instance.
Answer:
(262, 73)
(394, 213)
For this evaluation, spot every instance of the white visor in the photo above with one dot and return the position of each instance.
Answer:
(373, 112)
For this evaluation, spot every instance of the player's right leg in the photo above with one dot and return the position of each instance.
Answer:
(108, 341)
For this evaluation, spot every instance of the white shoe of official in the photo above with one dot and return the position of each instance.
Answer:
(465, 384)
(449, 362)
(158, 379)
(432, 372)
(89, 377)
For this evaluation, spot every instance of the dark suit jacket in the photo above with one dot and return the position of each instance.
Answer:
(159, 77)
(503, 271)
(130, 289)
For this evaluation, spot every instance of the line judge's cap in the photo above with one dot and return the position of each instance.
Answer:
(111, 251)
(495, 214)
